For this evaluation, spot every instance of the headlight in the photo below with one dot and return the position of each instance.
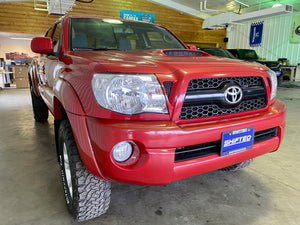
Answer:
(129, 94)
(274, 83)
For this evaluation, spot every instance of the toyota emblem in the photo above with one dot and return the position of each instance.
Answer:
(233, 94)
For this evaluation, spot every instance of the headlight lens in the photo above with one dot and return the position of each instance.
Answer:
(274, 83)
(129, 94)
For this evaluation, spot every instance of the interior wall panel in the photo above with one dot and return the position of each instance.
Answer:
(275, 40)
(20, 17)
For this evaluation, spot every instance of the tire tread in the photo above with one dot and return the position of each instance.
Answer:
(91, 196)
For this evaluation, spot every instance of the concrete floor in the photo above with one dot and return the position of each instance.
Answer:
(265, 193)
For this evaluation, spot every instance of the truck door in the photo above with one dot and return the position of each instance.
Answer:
(50, 68)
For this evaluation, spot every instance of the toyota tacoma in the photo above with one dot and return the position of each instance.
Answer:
(133, 104)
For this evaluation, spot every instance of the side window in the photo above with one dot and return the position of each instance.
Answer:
(56, 37)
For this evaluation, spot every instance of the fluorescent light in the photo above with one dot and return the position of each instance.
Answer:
(276, 5)
(21, 38)
(113, 21)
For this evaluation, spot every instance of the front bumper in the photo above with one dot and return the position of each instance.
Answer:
(157, 141)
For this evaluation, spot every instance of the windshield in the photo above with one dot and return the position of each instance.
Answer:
(218, 52)
(113, 34)
(247, 54)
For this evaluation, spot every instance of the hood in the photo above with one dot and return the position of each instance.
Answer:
(269, 63)
(161, 61)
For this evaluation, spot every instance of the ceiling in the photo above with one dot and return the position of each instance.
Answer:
(15, 39)
(234, 6)
(189, 6)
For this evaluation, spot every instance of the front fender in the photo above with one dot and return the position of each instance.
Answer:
(67, 97)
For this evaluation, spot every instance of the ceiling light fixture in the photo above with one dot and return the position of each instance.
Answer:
(276, 5)
(21, 38)
(231, 18)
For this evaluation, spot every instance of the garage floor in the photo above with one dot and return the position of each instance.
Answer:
(265, 193)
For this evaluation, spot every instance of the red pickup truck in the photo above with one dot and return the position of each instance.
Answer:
(132, 103)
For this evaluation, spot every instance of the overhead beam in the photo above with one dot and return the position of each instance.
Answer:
(6, 1)
(181, 8)
(232, 18)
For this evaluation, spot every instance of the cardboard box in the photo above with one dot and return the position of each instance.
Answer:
(20, 72)
(22, 82)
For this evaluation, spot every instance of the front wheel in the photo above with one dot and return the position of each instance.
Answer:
(86, 196)
(238, 166)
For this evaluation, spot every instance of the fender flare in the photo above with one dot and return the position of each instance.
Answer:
(65, 95)
(66, 104)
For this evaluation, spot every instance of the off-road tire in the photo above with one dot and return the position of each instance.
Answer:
(90, 196)
(238, 166)
(40, 109)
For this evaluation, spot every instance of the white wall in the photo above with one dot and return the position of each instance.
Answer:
(275, 40)
(15, 42)
(15, 48)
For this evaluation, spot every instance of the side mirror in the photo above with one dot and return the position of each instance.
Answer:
(192, 47)
(41, 45)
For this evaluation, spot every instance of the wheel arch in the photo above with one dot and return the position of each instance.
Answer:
(33, 77)
(67, 106)
(65, 101)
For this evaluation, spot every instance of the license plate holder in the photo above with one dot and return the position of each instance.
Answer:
(237, 140)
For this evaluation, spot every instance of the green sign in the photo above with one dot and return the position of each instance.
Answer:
(295, 30)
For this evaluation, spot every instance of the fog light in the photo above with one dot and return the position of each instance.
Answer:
(122, 151)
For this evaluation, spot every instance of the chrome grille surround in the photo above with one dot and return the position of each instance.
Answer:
(205, 97)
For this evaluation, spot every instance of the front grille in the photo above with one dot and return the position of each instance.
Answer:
(201, 150)
(265, 134)
(206, 97)
(196, 151)
(200, 111)
(215, 83)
